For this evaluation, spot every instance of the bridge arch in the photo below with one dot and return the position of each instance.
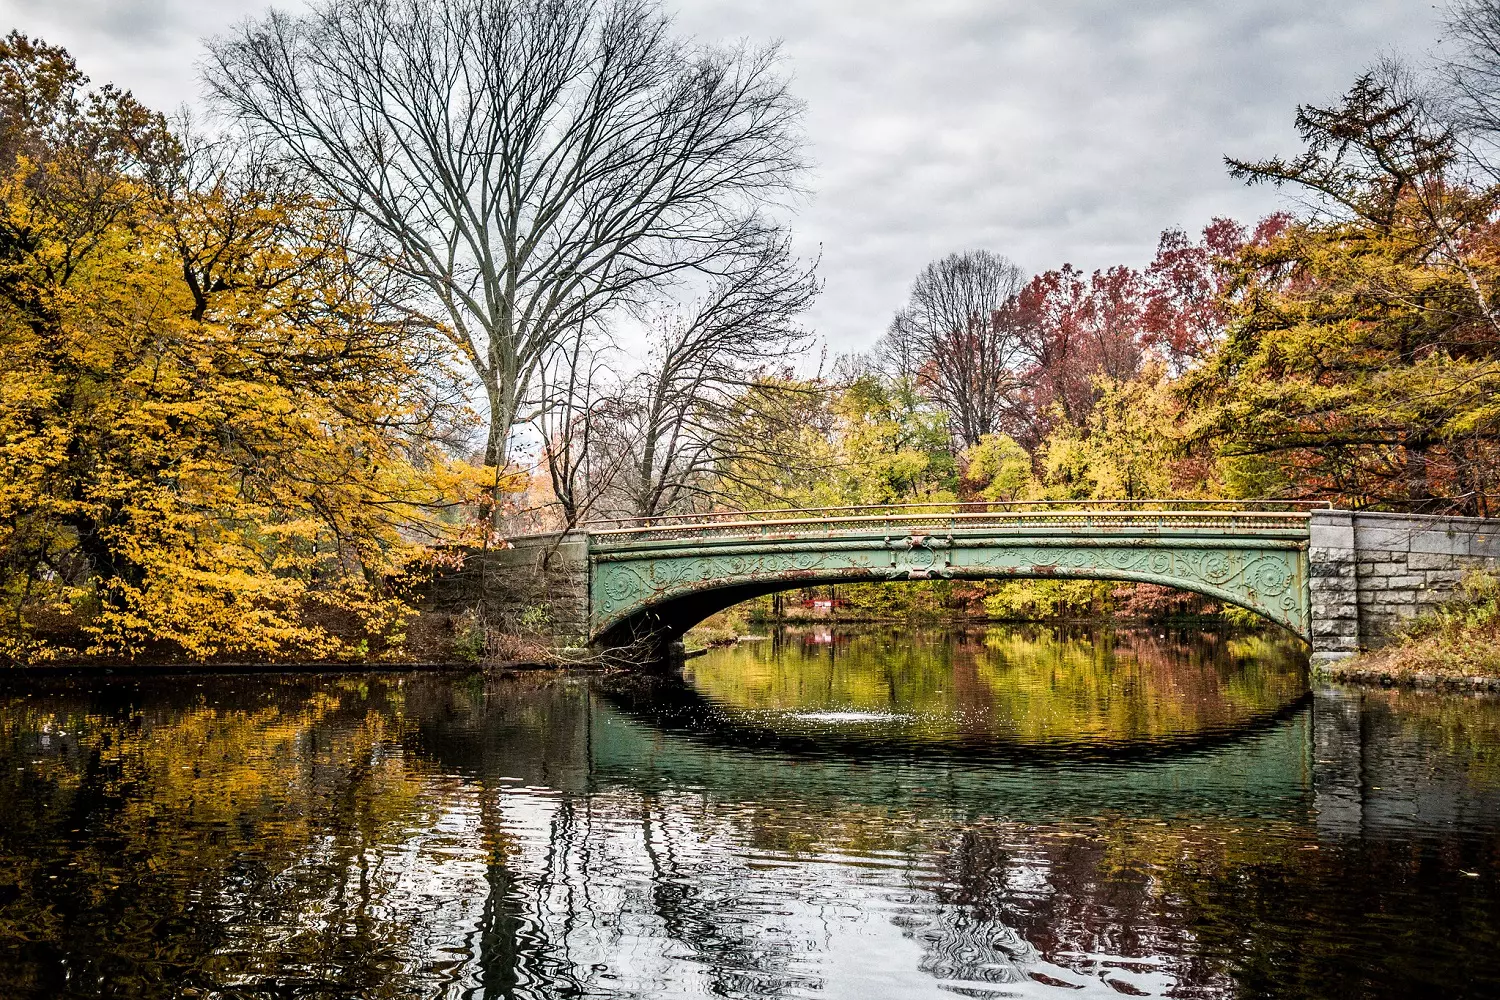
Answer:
(665, 579)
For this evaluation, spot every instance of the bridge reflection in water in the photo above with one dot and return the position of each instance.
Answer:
(1216, 834)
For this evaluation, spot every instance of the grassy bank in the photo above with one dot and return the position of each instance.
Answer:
(1458, 645)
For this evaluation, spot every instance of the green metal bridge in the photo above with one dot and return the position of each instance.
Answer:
(667, 576)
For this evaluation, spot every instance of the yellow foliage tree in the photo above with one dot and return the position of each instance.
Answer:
(997, 469)
(216, 439)
(1133, 446)
(1362, 363)
(857, 443)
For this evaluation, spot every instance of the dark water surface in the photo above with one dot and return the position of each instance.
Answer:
(1001, 814)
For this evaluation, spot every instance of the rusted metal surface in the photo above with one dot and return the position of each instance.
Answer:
(1254, 558)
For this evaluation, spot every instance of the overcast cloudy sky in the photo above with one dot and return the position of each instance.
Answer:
(1047, 130)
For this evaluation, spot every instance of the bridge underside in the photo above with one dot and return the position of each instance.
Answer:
(653, 585)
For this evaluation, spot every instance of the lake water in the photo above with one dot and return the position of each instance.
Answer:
(1004, 813)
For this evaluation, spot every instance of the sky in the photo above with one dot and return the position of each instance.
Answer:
(1049, 131)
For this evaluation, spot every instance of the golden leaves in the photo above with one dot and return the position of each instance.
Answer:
(216, 438)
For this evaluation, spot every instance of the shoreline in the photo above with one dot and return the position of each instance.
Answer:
(1375, 669)
(57, 671)
(1378, 677)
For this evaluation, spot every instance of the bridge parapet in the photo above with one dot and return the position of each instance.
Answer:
(1074, 522)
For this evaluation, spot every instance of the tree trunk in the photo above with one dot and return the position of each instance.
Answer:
(1418, 487)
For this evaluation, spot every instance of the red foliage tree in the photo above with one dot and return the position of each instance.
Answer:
(1076, 329)
(1187, 284)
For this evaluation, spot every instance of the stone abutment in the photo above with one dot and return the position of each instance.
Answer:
(535, 589)
(1368, 572)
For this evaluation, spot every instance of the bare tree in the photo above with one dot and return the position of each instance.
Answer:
(698, 411)
(1472, 73)
(536, 162)
(578, 400)
(898, 356)
(959, 330)
(900, 353)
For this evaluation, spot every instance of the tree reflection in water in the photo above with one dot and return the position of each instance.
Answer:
(1033, 684)
(538, 836)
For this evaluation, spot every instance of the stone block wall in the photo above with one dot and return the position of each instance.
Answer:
(1333, 585)
(539, 586)
(1369, 571)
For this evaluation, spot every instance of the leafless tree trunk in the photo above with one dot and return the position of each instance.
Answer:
(959, 324)
(537, 163)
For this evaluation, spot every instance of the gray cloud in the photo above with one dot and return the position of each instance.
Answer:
(1067, 130)
(1051, 132)
(149, 47)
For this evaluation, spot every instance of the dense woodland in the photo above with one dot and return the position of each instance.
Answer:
(261, 377)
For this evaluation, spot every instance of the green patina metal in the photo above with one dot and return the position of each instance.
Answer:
(659, 576)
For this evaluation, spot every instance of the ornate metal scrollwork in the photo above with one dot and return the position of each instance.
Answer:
(1259, 564)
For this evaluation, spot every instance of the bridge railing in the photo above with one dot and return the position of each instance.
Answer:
(906, 518)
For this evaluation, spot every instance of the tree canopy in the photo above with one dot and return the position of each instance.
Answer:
(218, 438)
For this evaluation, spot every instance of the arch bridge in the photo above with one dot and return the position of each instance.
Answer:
(1339, 579)
(666, 577)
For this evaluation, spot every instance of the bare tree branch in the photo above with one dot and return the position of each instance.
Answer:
(686, 419)
(536, 163)
(959, 338)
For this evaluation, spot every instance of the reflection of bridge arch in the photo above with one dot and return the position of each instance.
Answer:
(670, 705)
(668, 578)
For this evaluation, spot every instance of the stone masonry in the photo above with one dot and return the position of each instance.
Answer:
(537, 586)
(1369, 571)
